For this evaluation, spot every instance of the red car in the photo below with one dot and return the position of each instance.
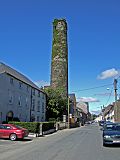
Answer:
(12, 132)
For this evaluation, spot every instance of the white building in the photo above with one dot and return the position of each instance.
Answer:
(99, 118)
(109, 113)
(20, 98)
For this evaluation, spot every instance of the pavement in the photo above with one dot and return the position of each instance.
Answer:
(83, 143)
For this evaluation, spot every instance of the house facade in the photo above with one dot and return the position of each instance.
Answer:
(83, 112)
(72, 100)
(20, 98)
(108, 113)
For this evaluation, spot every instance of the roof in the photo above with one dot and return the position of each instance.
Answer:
(108, 109)
(6, 69)
(83, 107)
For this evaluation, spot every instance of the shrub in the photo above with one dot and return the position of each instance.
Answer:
(34, 127)
(31, 126)
(52, 119)
(48, 126)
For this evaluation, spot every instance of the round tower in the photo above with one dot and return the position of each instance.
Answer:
(59, 64)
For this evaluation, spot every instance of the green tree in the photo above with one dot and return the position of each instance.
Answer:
(93, 116)
(56, 105)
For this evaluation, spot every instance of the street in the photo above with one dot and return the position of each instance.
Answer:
(84, 143)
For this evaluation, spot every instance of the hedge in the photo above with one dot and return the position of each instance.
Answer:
(34, 127)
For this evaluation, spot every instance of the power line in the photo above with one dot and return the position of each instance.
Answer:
(117, 77)
(92, 88)
(109, 97)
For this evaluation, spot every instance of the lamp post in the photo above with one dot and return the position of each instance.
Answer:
(68, 113)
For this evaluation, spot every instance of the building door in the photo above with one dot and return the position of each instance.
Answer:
(9, 116)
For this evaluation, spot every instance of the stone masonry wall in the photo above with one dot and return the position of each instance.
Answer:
(117, 111)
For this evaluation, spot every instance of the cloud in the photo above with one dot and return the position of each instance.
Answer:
(97, 112)
(88, 99)
(103, 94)
(42, 83)
(108, 74)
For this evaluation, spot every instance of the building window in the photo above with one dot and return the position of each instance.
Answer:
(42, 118)
(32, 118)
(10, 97)
(33, 91)
(27, 88)
(20, 101)
(11, 80)
(38, 93)
(42, 107)
(38, 106)
(20, 116)
(20, 85)
(38, 119)
(42, 96)
(26, 102)
(33, 104)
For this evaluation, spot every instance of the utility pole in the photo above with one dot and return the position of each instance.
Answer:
(102, 112)
(68, 112)
(115, 107)
(115, 89)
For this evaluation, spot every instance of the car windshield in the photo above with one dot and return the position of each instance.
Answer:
(112, 127)
(18, 127)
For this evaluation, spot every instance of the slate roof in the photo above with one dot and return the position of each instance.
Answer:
(108, 109)
(6, 69)
(83, 107)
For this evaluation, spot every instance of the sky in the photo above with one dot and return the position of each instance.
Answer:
(93, 44)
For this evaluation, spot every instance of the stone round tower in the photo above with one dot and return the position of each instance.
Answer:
(59, 64)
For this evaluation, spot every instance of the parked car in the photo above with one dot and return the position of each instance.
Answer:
(111, 133)
(107, 122)
(101, 123)
(88, 122)
(12, 132)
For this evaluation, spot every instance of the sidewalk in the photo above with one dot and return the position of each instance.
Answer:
(33, 135)
(44, 133)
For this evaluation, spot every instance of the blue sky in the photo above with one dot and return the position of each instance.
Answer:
(93, 43)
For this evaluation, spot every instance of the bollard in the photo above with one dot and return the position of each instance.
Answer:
(57, 128)
(40, 130)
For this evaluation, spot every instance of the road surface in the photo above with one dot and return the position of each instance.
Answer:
(84, 143)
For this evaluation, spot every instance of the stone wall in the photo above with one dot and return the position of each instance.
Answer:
(117, 111)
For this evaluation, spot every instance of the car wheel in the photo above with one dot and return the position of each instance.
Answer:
(104, 144)
(13, 137)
